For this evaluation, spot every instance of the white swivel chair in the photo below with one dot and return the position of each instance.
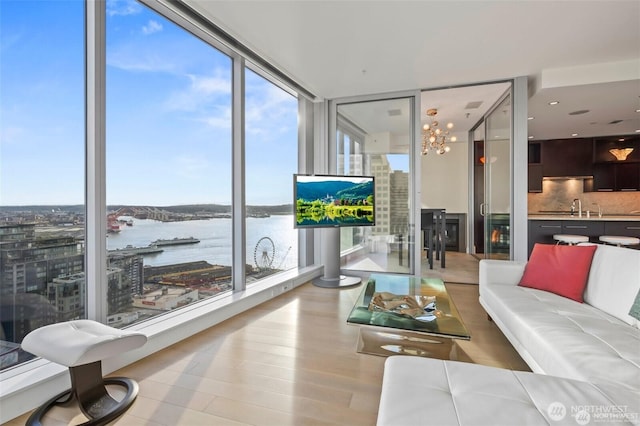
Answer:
(81, 345)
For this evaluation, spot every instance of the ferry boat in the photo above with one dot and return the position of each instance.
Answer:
(150, 249)
(175, 241)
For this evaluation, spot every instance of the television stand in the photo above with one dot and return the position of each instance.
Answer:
(342, 281)
(331, 252)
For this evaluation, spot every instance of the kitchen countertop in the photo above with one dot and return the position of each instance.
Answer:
(606, 217)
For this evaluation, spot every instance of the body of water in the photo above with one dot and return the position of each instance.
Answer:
(215, 240)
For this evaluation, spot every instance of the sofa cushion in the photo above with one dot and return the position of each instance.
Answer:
(559, 269)
(424, 391)
(614, 281)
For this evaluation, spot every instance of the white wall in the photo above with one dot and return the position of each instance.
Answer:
(445, 179)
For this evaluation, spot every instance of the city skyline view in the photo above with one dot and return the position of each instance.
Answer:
(168, 133)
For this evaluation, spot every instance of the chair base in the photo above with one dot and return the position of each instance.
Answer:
(89, 392)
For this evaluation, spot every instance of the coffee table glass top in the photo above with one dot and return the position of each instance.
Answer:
(408, 303)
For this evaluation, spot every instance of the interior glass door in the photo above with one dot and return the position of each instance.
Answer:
(497, 180)
(373, 139)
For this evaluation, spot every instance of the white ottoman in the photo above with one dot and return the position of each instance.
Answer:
(81, 345)
(427, 391)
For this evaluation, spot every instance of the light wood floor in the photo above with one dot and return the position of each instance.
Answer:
(290, 361)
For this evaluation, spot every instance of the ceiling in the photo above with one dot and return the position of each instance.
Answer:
(584, 54)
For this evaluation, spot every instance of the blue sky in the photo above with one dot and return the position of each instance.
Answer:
(168, 112)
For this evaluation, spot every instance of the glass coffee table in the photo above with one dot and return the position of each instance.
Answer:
(407, 315)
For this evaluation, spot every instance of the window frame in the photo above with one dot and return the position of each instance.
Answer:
(25, 384)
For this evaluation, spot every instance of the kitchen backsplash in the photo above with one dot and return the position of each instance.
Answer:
(558, 194)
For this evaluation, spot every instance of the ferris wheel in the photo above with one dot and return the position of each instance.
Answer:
(264, 253)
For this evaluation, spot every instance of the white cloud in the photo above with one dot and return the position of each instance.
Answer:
(151, 27)
(210, 85)
(220, 120)
(200, 94)
(123, 7)
(126, 59)
(266, 103)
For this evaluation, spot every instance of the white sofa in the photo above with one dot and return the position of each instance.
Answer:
(596, 341)
(585, 357)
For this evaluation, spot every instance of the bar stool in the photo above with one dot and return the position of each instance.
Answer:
(81, 345)
(619, 240)
(570, 239)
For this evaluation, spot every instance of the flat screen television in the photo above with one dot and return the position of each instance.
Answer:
(333, 201)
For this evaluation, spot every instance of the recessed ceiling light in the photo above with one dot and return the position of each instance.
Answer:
(574, 134)
(638, 110)
(530, 118)
(637, 130)
(621, 140)
(530, 137)
(579, 112)
(554, 103)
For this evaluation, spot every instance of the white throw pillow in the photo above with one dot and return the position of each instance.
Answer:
(614, 281)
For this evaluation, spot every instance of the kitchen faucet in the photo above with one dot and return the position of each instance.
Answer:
(573, 207)
(599, 209)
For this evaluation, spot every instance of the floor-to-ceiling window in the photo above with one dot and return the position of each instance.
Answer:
(168, 166)
(271, 159)
(168, 150)
(41, 169)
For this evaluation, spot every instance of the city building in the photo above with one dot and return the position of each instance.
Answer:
(28, 268)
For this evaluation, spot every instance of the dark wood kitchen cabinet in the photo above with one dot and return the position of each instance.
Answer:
(534, 178)
(611, 173)
(616, 177)
(627, 176)
(542, 231)
(622, 228)
(567, 157)
(590, 228)
(604, 177)
(535, 173)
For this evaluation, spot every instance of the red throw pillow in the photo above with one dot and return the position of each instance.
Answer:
(559, 269)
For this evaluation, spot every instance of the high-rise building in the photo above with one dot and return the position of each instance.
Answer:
(399, 202)
(381, 170)
(132, 266)
(67, 295)
(27, 265)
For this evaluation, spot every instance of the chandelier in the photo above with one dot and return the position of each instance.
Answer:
(433, 137)
(621, 154)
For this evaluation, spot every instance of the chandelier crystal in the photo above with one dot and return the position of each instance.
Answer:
(433, 137)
